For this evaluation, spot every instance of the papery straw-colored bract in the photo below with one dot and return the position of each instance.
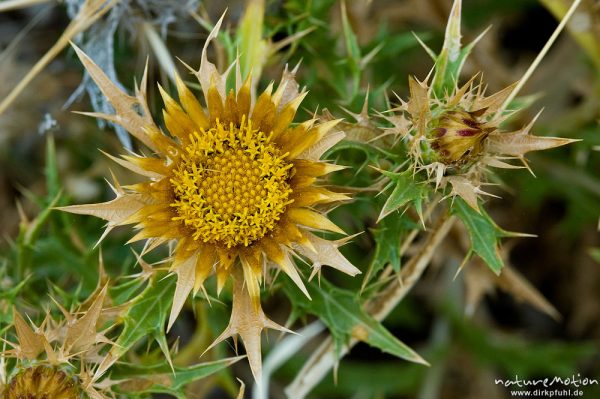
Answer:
(235, 185)
(49, 352)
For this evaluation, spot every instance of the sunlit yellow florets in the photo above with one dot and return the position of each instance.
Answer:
(231, 185)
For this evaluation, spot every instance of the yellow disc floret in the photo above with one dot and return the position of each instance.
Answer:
(230, 185)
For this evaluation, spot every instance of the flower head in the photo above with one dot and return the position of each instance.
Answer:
(39, 382)
(231, 185)
(234, 184)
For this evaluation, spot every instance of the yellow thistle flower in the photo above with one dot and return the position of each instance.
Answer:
(42, 382)
(233, 184)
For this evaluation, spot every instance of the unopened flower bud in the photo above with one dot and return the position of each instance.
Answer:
(458, 136)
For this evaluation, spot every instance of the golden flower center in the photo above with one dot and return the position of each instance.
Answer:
(41, 383)
(230, 185)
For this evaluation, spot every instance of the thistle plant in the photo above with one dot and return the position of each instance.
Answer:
(251, 193)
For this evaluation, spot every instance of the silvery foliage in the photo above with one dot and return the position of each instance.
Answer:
(98, 41)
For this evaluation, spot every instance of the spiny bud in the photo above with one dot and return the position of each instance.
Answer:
(457, 136)
(41, 382)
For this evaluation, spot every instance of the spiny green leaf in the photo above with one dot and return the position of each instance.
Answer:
(343, 314)
(450, 53)
(160, 378)
(127, 289)
(406, 190)
(148, 311)
(452, 57)
(484, 233)
(387, 235)
(147, 314)
(387, 250)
